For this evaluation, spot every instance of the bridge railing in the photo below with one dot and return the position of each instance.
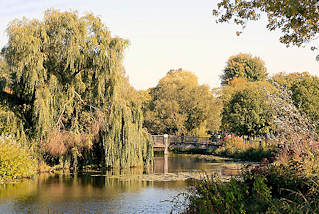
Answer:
(180, 139)
(158, 138)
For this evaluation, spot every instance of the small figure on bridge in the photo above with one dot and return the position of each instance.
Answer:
(182, 137)
(213, 136)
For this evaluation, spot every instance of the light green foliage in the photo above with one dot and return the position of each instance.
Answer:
(288, 80)
(305, 92)
(128, 143)
(244, 66)
(298, 20)
(67, 84)
(247, 112)
(15, 161)
(213, 122)
(180, 105)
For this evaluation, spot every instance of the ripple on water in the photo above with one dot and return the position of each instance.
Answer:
(129, 192)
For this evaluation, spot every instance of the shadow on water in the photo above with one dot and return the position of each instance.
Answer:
(125, 191)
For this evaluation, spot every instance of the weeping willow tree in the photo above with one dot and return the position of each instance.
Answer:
(67, 87)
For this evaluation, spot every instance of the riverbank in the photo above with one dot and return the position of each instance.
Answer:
(288, 185)
(255, 151)
(235, 149)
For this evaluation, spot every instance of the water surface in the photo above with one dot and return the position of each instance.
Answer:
(127, 191)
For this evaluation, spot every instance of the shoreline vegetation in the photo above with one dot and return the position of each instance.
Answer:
(289, 184)
(15, 162)
(234, 148)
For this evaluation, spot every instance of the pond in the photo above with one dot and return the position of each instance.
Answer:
(126, 191)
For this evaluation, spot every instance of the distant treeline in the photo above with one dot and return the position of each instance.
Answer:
(248, 103)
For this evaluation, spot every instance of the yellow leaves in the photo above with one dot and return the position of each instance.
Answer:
(179, 104)
(15, 161)
(244, 66)
(238, 84)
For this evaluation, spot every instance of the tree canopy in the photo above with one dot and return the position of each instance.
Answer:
(178, 104)
(247, 110)
(298, 20)
(244, 66)
(67, 89)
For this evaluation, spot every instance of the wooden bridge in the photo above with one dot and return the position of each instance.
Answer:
(163, 142)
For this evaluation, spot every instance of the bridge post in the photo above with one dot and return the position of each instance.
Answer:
(165, 144)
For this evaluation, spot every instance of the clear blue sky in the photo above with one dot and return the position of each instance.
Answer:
(172, 34)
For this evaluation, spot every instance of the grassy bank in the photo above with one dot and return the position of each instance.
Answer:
(250, 151)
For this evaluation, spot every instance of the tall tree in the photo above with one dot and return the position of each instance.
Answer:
(298, 20)
(244, 66)
(67, 89)
(179, 104)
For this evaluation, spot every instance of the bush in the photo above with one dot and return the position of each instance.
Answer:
(293, 191)
(15, 161)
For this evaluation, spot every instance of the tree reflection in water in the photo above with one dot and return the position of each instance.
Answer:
(136, 190)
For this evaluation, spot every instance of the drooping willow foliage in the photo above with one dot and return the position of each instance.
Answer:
(67, 87)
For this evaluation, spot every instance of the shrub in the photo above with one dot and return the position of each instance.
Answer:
(234, 196)
(213, 196)
(15, 161)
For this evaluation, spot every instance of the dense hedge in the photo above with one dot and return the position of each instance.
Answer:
(15, 161)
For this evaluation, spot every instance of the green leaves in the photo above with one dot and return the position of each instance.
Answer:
(298, 20)
(247, 112)
(305, 93)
